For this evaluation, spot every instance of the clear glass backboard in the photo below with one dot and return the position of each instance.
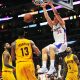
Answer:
(65, 3)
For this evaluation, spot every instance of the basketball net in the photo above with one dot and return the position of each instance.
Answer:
(39, 2)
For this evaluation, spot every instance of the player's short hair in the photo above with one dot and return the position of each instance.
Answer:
(20, 32)
(4, 45)
(68, 49)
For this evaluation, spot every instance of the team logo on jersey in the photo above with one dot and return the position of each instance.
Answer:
(56, 29)
(22, 44)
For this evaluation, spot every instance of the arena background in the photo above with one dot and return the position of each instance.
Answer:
(40, 33)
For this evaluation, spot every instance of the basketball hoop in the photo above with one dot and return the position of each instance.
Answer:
(68, 4)
(39, 2)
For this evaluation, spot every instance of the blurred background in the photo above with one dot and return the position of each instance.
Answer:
(11, 18)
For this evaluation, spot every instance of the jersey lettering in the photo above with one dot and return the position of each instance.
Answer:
(25, 51)
(59, 31)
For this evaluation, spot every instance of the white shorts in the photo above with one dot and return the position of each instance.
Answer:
(58, 47)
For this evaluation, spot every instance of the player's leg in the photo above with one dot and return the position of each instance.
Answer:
(52, 59)
(45, 52)
(11, 76)
(31, 71)
(59, 71)
(61, 49)
(19, 73)
(25, 71)
(69, 76)
(55, 48)
(4, 76)
(28, 71)
(75, 76)
(44, 57)
(8, 76)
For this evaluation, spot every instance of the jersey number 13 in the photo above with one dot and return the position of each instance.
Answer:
(24, 51)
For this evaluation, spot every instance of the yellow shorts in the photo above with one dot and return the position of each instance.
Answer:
(25, 71)
(8, 76)
(72, 76)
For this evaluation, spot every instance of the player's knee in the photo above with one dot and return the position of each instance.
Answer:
(44, 50)
(51, 48)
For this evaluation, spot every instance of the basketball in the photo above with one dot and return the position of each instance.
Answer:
(28, 17)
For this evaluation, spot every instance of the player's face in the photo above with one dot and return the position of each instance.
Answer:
(55, 20)
(8, 45)
(68, 50)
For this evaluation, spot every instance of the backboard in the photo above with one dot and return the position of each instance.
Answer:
(68, 4)
(65, 3)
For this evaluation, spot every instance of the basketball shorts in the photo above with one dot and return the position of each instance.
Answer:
(58, 47)
(72, 76)
(25, 71)
(8, 76)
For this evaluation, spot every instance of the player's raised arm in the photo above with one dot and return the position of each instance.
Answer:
(43, 5)
(57, 14)
(35, 48)
(13, 51)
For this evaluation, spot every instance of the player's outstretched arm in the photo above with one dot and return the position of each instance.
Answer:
(35, 48)
(62, 22)
(13, 51)
(43, 5)
(6, 60)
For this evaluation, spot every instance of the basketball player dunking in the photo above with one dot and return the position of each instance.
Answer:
(59, 34)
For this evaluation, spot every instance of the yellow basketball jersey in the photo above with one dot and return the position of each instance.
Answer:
(4, 68)
(23, 50)
(71, 64)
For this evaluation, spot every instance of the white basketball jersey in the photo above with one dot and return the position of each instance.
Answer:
(59, 33)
